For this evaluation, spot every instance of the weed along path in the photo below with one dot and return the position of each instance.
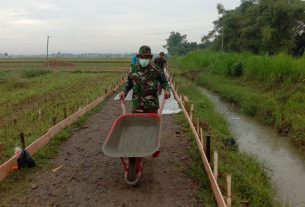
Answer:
(287, 165)
(86, 177)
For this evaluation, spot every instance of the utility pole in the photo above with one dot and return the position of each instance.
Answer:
(48, 39)
(222, 40)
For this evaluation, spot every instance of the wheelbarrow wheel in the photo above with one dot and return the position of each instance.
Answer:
(132, 170)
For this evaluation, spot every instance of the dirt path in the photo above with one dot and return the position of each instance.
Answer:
(89, 178)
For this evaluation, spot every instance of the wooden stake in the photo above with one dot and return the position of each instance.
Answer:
(229, 194)
(65, 113)
(22, 140)
(39, 111)
(191, 111)
(54, 120)
(198, 126)
(215, 165)
(201, 137)
(208, 147)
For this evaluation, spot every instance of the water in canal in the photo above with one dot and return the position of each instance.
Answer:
(287, 164)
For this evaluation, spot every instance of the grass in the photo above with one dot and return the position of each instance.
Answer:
(73, 64)
(271, 89)
(250, 181)
(32, 104)
(273, 69)
(20, 181)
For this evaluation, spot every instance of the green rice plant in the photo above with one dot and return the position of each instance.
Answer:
(15, 80)
(45, 101)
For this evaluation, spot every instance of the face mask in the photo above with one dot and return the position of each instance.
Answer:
(144, 62)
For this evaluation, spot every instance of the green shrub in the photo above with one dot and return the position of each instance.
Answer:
(34, 73)
(237, 69)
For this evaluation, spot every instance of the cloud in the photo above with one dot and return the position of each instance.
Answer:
(82, 25)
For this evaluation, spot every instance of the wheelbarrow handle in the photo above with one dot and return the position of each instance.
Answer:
(162, 106)
(122, 100)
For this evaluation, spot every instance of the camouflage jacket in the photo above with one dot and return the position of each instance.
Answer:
(160, 62)
(144, 83)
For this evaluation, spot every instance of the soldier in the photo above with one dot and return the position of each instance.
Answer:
(160, 61)
(143, 79)
(134, 60)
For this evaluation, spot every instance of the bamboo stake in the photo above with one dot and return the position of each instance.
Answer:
(65, 113)
(22, 140)
(208, 147)
(54, 119)
(201, 137)
(191, 111)
(198, 125)
(215, 165)
(229, 194)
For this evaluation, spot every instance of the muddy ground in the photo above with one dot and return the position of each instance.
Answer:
(89, 178)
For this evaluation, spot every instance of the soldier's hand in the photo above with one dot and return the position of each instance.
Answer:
(167, 94)
(122, 95)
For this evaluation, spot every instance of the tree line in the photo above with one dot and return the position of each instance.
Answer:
(256, 26)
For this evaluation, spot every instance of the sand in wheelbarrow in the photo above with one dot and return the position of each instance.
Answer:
(134, 136)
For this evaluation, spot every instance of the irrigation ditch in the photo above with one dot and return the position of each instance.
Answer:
(286, 164)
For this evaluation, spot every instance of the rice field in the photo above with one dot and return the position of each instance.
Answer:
(33, 100)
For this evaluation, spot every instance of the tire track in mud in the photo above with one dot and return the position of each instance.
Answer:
(89, 178)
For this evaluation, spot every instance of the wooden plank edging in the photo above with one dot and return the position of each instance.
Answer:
(215, 188)
(6, 168)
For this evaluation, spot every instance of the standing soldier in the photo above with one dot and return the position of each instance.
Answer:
(134, 60)
(160, 61)
(144, 79)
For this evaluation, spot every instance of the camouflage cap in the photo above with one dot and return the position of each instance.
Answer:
(144, 50)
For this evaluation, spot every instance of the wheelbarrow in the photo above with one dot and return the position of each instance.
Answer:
(132, 137)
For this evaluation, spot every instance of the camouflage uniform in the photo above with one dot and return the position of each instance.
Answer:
(144, 82)
(160, 62)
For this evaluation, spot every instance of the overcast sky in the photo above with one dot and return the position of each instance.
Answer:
(114, 26)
